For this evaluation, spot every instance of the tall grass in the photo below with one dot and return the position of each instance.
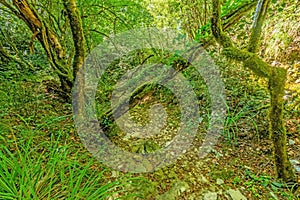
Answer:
(51, 171)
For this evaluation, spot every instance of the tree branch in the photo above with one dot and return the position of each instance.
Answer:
(259, 18)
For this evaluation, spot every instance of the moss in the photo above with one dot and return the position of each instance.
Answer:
(277, 130)
(251, 61)
(216, 27)
(222, 174)
(146, 147)
(237, 14)
(147, 189)
(78, 35)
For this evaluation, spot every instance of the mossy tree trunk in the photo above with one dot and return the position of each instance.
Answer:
(77, 32)
(78, 39)
(277, 129)
(276, 77)
(52, 41)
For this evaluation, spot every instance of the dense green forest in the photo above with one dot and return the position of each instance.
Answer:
(150, 99)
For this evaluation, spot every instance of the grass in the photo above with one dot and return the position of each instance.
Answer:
(41, 157)
(230, 126)
(51, 170)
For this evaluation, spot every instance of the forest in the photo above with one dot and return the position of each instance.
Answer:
(150, 99)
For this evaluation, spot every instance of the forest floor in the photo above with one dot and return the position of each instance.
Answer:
(35, 120)
(242, 160)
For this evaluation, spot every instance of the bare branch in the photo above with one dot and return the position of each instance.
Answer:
(259, 18)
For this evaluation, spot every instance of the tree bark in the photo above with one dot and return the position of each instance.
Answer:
(78, 36)
(78, 39)
(42, 31)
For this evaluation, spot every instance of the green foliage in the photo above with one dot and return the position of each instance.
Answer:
(50, 171)
(229, 6)
(51, 24)
(224, 174)
(266, 181)
(103, 18)
(42, 158)
(231, 123)
(15, 41)
(203, 32)
(39, 157)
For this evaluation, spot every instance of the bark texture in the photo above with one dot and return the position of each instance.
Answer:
(77, 32)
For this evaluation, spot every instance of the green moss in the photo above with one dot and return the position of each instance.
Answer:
(146, 147)
(224, 174)
(277, 130)
(216, 27)
(251, 61)
(146, 189)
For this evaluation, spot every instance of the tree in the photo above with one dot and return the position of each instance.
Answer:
(51, 31)
(228, 20)
(276, 77)
(67, 30)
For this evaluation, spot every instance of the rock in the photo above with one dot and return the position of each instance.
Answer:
(297, 168)
(235, 195)
(210, 196)
(295, 162)
(174, 192)
(220, 181)
(291, 142)
(115, 174)
(167, 144)
(202, 179)
(217, 154)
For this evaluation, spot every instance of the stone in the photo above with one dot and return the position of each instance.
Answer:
(202, 179)
(115, 173)
(297, 168)
(295, 162)
(235, 195)
(210, 196)
(220, 181)
(175, 191)
(291, 142)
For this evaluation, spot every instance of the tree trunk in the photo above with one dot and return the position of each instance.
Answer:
(78, 36)
(49, 39)
(78, 39)
(42, 31)
(277, 130)
(276, 77)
